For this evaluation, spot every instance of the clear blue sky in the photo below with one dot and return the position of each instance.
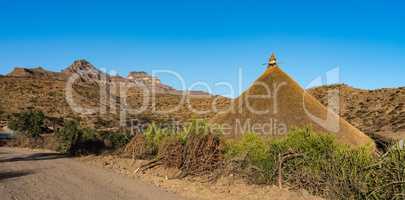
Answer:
(209, 40)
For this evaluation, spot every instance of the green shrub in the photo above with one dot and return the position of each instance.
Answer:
(251, 146)
(154, 136)
(69, 136)
(388, 175)
(315, 162)
(117, 140)
(253, 151)
(325, 168)
(29, 123)
(75, 140)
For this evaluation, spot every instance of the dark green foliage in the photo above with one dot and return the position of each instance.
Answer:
(69, 136)
(75, 140)
(29, 123)
(117, 140)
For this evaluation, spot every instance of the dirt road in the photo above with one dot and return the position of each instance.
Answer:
(26, 175)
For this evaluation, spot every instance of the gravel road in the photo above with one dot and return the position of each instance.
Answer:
(26, 175)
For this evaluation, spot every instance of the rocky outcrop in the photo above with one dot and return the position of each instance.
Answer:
(149, 81)
(143, 77)
(37, 72)
(85, 70)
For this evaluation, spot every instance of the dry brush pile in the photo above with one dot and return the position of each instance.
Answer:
(195, 150)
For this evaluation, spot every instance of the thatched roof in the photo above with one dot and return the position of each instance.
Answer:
(282, 105)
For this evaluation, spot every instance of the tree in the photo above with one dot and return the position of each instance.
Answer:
(29, 123)
(69, 136)
(76, 140)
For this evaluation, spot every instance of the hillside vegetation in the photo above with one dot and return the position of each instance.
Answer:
(301, 159)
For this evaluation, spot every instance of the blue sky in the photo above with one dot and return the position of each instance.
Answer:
(210, 40)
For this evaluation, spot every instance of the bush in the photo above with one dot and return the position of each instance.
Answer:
(251, 146)
(388, 175)
(29, 123)
(252, 153)
(68, 136)
(154, 136)
(325, 168)
(307, 160)
(75, 140)
(117, 140)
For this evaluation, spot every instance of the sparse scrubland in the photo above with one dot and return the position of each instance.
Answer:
(71, 138)
(322, 164)
(302, 159)
(315, 162)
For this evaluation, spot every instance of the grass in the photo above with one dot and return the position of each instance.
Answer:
(156, 136)
(317, 163)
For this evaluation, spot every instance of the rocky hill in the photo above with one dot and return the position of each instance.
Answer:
(380, 111)
(85, 70)
(37, 72)
(46, 91)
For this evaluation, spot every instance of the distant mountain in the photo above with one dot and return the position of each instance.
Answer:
(44, 90)
(85, 70)
(37, 72)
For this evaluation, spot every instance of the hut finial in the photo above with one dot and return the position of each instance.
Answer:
(273, 60)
